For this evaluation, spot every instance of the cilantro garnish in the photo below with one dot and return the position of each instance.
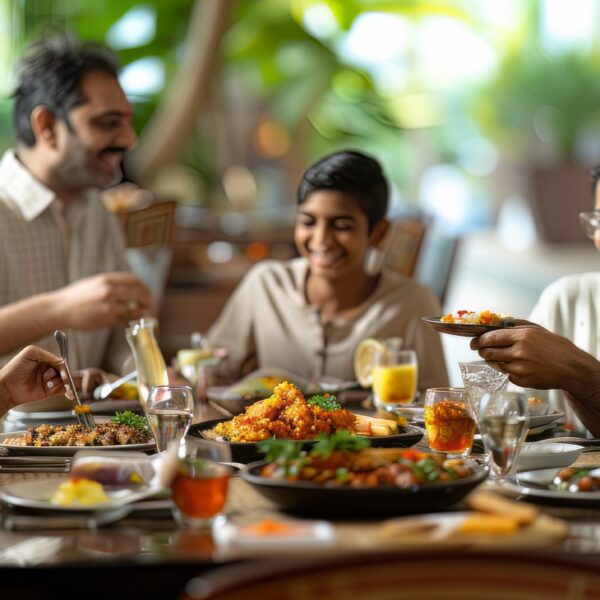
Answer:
(326, 401)
(130, 418)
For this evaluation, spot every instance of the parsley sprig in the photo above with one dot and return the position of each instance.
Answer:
(130, 418)
(325, 401)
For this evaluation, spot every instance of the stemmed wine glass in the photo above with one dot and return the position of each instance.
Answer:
(503, 421)
(169, 409)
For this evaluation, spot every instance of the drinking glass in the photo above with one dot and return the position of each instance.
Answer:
(449, 421)
(503, 421)
(169, 409)
(480, 377)
(394, 377)
(199, 489)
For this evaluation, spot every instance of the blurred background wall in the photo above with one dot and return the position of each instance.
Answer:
(485, 115)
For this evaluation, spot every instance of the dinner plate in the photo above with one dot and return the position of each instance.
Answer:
(533, 486)
(319, 500)
(465, 329)
(67, 450)
(246, 452)
(542, 420)
(61, 409)
(36, 494)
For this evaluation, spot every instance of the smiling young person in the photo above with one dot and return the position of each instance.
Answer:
(307, 315)
(61, 253)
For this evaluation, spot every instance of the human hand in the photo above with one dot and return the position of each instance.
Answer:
(87, 380)
(33, 374)
(533, 357)
(103, 301)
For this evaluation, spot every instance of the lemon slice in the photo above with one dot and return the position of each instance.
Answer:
(364, 360)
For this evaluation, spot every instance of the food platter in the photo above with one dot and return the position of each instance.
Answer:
(339, 501)
(36, 494)
(533, 486)
(66, 450)
(465, 329)
(247, 452)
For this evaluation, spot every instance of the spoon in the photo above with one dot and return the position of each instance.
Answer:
(83, 415)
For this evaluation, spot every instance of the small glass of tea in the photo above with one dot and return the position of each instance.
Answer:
(199, 489)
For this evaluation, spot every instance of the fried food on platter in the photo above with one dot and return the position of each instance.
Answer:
(287, 414)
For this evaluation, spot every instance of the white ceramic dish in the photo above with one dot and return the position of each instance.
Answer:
(61, 409)
(36, 494)
(542, 420)
(545, 455)
(66, 450)
(240, 538)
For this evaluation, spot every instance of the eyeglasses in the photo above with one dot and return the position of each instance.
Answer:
(590, 222)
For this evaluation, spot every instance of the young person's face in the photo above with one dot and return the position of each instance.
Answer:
(332, 232)
(92, 149)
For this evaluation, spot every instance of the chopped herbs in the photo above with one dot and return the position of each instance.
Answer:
(275, 449)
(340, 440)
(130, 418)
(325, 401)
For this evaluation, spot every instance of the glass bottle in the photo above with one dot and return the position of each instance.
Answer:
(149, 361)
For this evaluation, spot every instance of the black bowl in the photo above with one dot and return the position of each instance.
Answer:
(247, 452)
(312, 499)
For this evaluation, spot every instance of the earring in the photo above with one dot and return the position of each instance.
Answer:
(373, 260)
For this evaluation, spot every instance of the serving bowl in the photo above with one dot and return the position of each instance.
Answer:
(546, 455)
(307, 498)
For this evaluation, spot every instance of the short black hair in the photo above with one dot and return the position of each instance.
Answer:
(354, 173)
(49, 74)
(594, 178)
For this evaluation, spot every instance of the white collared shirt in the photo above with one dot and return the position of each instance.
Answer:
(46, 244)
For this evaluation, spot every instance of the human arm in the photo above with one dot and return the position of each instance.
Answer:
(31, 375)
(534, 357)
(87, 304)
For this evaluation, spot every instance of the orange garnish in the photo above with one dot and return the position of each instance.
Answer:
(270, 527)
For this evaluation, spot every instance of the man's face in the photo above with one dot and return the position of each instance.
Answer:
(91, 150)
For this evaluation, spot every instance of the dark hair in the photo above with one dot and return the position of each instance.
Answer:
(355, 173)
(50, 73)
(594, 177)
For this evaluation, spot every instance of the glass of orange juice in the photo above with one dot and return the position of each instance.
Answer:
(199, 489)
(394, 377)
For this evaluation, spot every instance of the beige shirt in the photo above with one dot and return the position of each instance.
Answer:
(268, 323)
(46, 244)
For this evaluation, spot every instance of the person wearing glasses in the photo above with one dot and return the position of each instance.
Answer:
(569, 308)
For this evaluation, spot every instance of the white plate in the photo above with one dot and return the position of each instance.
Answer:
(542, 420)
(545, 455)
(61, 409)
(532, 485)
(239, 538)
(66, 450)
(37, 494)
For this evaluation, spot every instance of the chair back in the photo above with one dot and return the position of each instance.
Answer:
(403, 245)
(152, 225)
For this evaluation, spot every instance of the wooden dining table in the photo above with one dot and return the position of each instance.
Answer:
(145, 554)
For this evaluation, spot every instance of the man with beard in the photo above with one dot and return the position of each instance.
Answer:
(61, 253)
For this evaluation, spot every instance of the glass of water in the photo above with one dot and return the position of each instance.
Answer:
(169, 409)
(503, 422)
(480, 377)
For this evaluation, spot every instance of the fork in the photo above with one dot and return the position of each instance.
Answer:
(81, 412)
